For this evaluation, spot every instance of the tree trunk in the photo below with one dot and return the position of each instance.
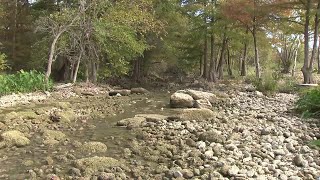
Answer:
(229, 63)
(136, 76)
(51, 55)
(212, 70)
(94, 76)
(201, 66)
(14, 37)
(318, 59)
(205, 59)
(244, 60)
(75, 74)
(223, 49)
(256, 52)
(306, 71)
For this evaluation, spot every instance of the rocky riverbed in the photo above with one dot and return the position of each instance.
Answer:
(241, 135)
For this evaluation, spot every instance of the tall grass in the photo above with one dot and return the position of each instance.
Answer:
(23, 82)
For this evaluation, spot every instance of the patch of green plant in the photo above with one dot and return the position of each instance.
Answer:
(315, 143)
(23, 82)
(309, 103)
(3, 62)
(287, 85)
(268, 83)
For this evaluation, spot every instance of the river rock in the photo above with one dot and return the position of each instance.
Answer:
(14, 138)
(196, 114)
(181, 100)
(197, 95)
(131, 122)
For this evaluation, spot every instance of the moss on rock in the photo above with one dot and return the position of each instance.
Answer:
(14, 138)
(93, 147)
(53, 137)
(66, 116)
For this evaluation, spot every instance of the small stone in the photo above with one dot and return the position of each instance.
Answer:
(177, 174)
(201, 145)
(187, 173)
(234, 170)
(283, 177)
(299, 161)
(209, 154)
(75, 172)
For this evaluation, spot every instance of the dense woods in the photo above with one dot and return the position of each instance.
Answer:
(95, 40)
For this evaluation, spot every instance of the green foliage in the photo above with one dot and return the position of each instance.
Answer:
(268, 83)
(23, 82)
(3, 62)
(315, 143)
(309, 103)
(287, 85)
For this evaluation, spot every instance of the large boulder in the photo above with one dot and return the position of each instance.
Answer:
(197, 95)
(181, 100)
(14, 138)
(202, 103)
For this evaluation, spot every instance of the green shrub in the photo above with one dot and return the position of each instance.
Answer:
(309, 103)
(315, 143)
(268, 83)
(287, 85)
(23, 82)
(3, 62)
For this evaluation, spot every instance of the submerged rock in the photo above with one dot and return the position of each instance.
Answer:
(14, 138)
(94, 164)
(131, 122)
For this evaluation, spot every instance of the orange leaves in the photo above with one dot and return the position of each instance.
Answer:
(239, 10)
